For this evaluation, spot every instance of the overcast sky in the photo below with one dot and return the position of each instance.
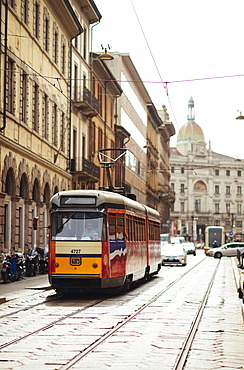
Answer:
(175, 40)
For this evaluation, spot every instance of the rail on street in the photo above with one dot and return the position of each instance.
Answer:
(186, 317)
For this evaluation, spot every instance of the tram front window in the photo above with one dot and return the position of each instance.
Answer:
(78, 226)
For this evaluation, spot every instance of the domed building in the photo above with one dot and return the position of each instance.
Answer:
(208, 186)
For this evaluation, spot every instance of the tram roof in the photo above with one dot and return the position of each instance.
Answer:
(105, 197)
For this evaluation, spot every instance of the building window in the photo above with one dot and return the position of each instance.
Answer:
(182, 206)
(75, 82)
(172, 170)
(11, 3)
(100, 138)
(23, 97)
(216, 174)
(55, 124)
(182, 170)
(182, 188)
(239, 190)
(238, 223)
(36, 19)
(239, 208)
(45, 116)
(172, 209)
(63, 56)
(217, 223)
(35, 104)
(216, 207)
(227, 223)
(228, 208)
(84, 43)
(227, 172)
(62, 132)
(239, 173)
(197, 205)
(55, 43)
(10, 86)
(172, 186)
(46, 31)
(100, 99)
(24, 10)
(216, 189)
(227, 190)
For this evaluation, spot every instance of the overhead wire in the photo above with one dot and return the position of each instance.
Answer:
(165, 84)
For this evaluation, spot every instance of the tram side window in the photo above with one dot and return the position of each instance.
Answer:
(135, 226)
(120, 233)
(112, 228)
(129, 228)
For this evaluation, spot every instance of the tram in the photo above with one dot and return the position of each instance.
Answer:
(212, 234)
(100, 239)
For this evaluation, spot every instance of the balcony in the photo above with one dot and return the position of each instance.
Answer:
(84, 170)
(87, 103)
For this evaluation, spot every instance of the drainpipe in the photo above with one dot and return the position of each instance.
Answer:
(5, 65)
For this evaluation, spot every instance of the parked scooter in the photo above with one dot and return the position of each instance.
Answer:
(13, 268)
(32, 262)
(6, 270)
(43, 260)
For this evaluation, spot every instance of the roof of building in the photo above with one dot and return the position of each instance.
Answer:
(190, 131)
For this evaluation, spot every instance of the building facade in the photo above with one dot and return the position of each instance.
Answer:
(60, 106)
(35, 113)
(208, 186)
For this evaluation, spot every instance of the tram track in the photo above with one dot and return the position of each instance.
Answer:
(120, 322)
(187, 344)
(73, 313)
(182, 358)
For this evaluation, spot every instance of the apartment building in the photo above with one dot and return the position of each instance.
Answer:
(35, 114)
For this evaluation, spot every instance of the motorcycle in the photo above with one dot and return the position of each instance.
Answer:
(13, 268)
(6, 270)
(32, 262)
(43, 261)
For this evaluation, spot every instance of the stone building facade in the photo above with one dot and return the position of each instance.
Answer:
(208, 186)
(35, 114)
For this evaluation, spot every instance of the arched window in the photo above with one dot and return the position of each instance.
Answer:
(199, 186)
(10, 182)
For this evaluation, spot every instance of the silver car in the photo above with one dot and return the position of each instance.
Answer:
(173, 254)
(229, 250)
(189, 248)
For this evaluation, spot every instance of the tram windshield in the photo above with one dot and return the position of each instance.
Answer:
(80, 226)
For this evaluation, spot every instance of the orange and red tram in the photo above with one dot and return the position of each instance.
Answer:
(101, 239)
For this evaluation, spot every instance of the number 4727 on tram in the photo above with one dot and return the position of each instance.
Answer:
(101, 239)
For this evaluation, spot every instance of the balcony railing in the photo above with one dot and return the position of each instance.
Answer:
(84, 169)
(87, 103)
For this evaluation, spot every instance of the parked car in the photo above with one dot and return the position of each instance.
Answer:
(173, 254)
(229, 250)
(164, 239)
(189, 248)
(177, 239)
(240, 256)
